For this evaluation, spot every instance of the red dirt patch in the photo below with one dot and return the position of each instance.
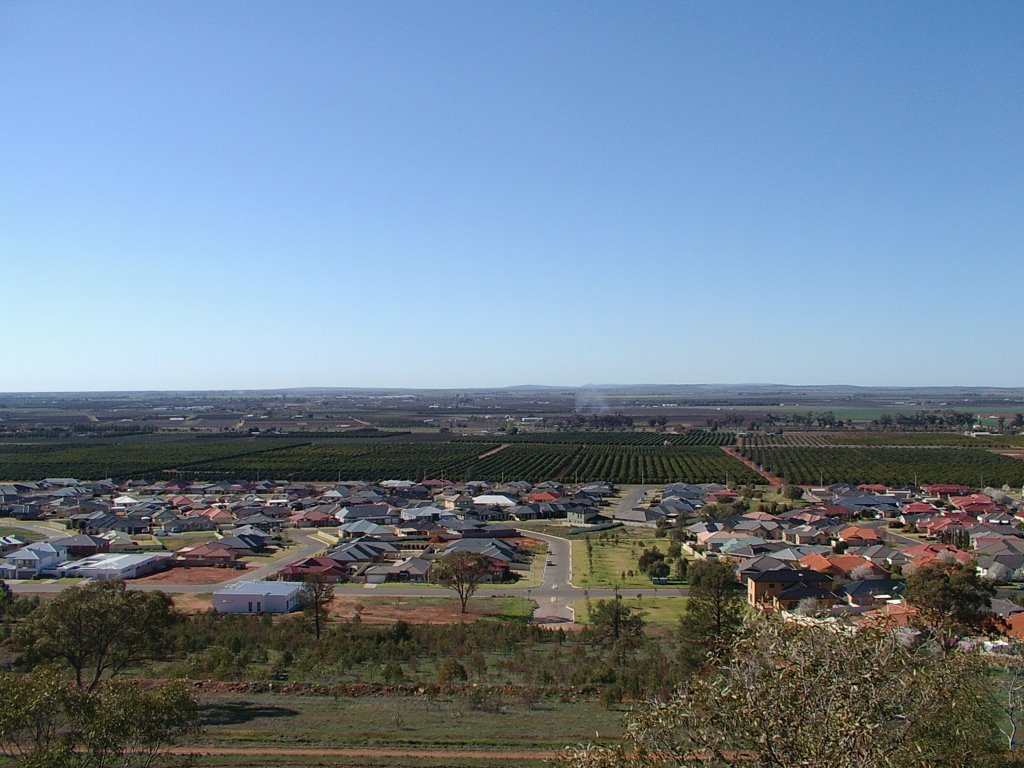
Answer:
(192, 603)
(1019, 455)
(380, 609)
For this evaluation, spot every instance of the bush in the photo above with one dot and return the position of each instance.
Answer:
(450, 671)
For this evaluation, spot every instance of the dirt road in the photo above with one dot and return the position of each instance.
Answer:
(773, 480)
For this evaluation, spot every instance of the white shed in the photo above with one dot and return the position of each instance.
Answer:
(257, 597)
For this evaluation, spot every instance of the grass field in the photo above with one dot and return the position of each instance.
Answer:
(613, 556)
(289, 547)
(378, 607)
(656, 610)
(177, 541)
(280, 720)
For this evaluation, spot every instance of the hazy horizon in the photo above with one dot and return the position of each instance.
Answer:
(641, 387)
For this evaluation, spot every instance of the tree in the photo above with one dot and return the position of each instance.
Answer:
(792, 492)
(862, 572)
(681, 568)
(44, 723)
(659, 570)
(462, 571)
(714, 611)
(789, 695)
(998, 573)
(315, 598)
(392, 672)
(98, 630)
(648, 558)
(6, 599)
(951, 601)
(450, 671)
(616, 623)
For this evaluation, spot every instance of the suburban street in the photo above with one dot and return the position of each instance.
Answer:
(554, 596)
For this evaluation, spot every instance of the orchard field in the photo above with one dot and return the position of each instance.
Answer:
(573, 457)
(890, 466)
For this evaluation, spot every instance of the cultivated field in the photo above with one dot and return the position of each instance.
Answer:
(891, 466)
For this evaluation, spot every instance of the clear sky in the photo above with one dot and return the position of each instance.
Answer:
(219, 195)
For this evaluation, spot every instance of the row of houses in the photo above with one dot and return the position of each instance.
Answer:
(177, 507)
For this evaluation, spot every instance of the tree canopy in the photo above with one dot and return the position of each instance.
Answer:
(98, 629)
(316, 596)
(714, 611)
(462, 571)
(820, 695)
(952, 601)
(44, 723)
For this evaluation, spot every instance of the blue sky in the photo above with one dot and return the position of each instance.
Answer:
(250, 194)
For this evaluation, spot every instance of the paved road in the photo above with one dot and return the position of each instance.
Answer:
(889, 535)
(555, 595)
(633, 497)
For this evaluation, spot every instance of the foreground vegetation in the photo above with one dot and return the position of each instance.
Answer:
(711, 683)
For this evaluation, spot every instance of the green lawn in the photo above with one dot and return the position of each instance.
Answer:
(614, 555)
(656, 610)
(768, 497)
(277, 554)
(232, 719)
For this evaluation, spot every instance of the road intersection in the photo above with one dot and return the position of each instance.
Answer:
(554, 596)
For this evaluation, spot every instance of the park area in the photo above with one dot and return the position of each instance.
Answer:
(610, 558)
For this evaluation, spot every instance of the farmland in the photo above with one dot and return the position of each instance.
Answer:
(126, 458)
(882, 439)
(692, 437)
(891, 466)
(372, 459)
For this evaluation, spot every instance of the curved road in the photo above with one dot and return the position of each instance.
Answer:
(555, 595)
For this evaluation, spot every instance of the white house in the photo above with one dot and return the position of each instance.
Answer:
(117, 566)
(257, 597)
(33, 560)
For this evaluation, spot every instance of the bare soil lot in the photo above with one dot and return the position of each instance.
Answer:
(191, 576)
(379, 609)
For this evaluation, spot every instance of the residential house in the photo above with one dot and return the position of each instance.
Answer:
(871, 592)
(762, 587)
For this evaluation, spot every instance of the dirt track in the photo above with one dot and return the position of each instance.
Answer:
(775, 481)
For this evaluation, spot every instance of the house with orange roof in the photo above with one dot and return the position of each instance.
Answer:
(216, 515)
(542, 497)
(208, 550)
(874, 488)
(1015, 626)
(943, 491)
(859, 536)
(843, 566)
(931, 550)
(975, 503)
(891, 615)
